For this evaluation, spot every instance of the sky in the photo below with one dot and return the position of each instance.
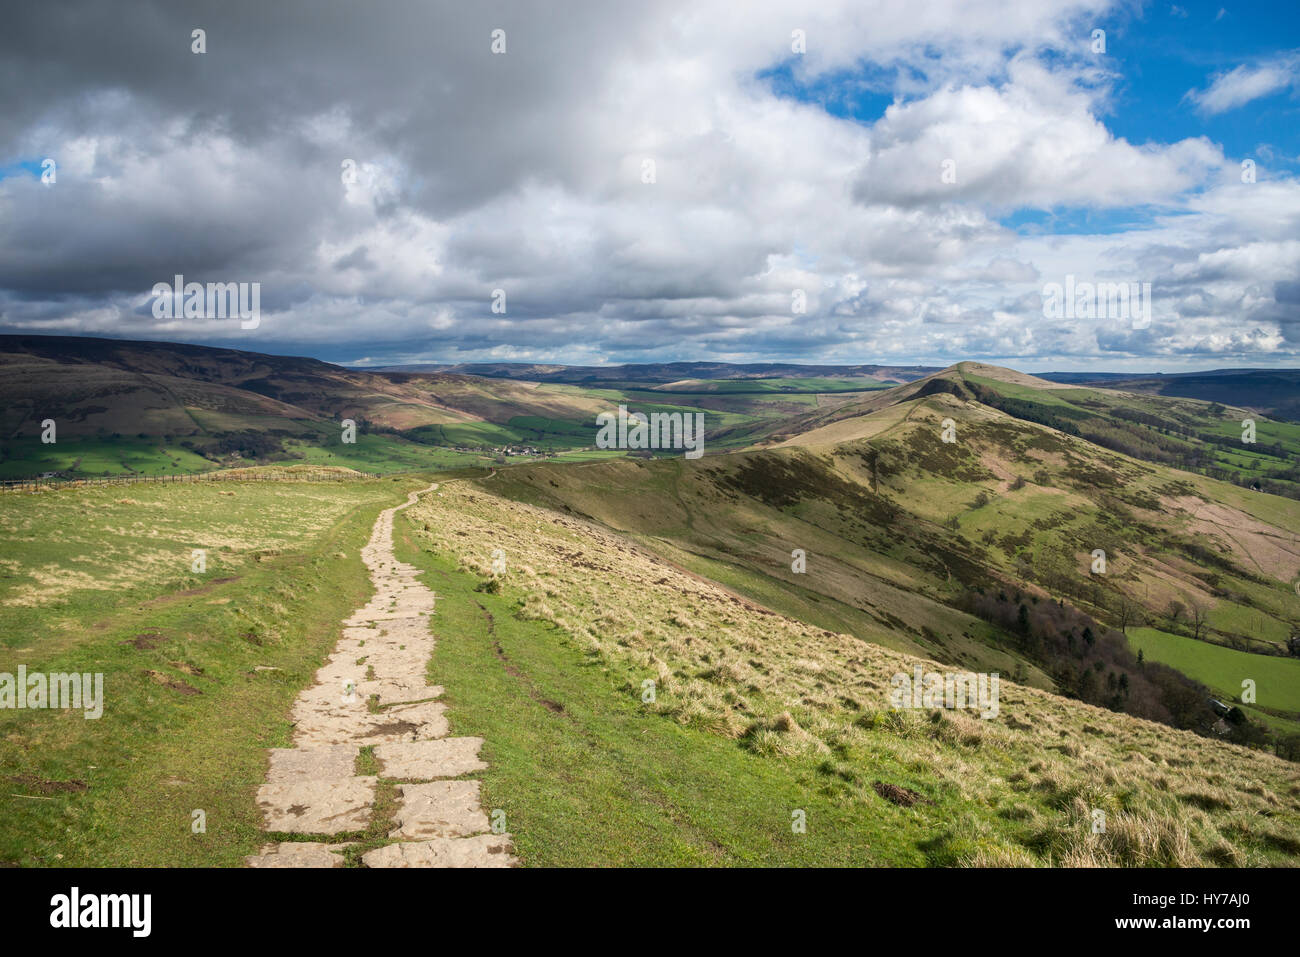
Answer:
(868, 181)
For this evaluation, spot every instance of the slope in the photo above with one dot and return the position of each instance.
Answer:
(683, 723)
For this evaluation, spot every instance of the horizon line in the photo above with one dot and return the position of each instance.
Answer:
(1039, 365)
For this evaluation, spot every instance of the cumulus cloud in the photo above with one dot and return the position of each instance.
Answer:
(623, 174)
(1036, 141)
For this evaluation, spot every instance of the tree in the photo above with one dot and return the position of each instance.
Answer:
(1174, 613)
(1128, 612)
(1197, 616)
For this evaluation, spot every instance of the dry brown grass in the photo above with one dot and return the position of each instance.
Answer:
(781, 687)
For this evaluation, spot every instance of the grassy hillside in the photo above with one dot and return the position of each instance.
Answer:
(905, 535)
(1187, 434)
(123, 408)
(757, 716)
(1274, 392)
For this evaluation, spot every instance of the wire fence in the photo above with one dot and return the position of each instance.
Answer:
(221, 475)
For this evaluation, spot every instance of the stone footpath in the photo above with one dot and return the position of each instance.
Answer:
(313, 788)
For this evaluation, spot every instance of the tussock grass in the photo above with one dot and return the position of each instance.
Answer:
(1018, 789)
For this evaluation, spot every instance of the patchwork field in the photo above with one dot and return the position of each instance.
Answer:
(1277, 680)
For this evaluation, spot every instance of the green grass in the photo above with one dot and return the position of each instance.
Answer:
(811, 385)
(381, 453)
(78, 457)
(120, 790)
(759, 716)
(93, 457)
(1277, 680)
(587, 776)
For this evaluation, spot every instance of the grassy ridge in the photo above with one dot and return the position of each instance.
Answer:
(587, 776)
(902, 531)
(200, 670)
(757, 716)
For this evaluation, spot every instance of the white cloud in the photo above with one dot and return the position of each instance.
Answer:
(1241, 85)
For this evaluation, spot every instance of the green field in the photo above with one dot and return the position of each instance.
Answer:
(382, 453)
(794, 385)
(90, 457)
(1277, 680)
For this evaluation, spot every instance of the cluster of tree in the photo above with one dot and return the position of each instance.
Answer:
(1157, 422)
(1232, 444)
(365, 427)
(1095, 664)
(1139, 439)
(1140, 442)
(250, 443)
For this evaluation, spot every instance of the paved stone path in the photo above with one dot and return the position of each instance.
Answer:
(313, 788)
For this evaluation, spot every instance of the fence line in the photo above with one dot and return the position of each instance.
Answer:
(221, 475)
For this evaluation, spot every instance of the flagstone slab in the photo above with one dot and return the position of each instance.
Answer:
(439, 809)
(405, 722)
(399, 692)
(424, 760)
(298, 854)
(318, 807)
(330, 762)
(484, 850)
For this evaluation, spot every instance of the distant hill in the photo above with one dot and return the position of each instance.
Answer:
(1275, 392)
(1188, 433)
(160, 407)
(123, 406)
(670, 371)
(153, 383)
(190, 407)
